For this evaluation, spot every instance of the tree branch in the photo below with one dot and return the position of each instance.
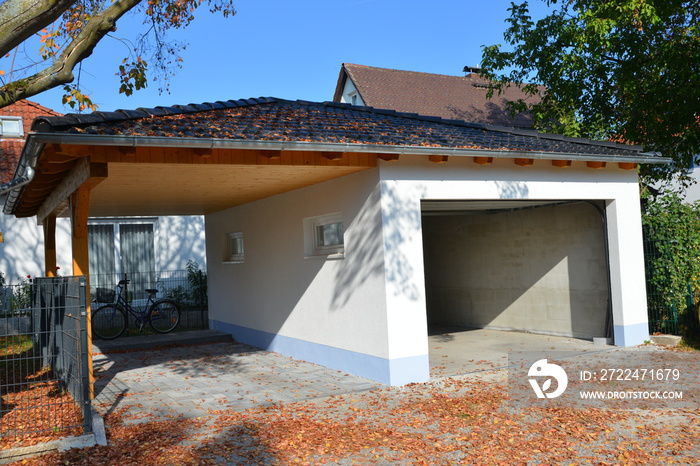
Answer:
(61, 70)
(19, 19)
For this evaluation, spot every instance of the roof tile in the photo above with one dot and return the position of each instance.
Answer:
(454, 97)
(283, 120)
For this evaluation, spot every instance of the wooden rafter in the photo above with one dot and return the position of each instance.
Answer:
(524, 162)
(483, 160)
(438, 158)
(333, 155)
(595, 164)
(561, 163)
(85, 174)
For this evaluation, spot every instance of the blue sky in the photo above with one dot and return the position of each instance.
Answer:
(294, 50)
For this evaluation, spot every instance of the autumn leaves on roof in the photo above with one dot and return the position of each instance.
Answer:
(272, 119)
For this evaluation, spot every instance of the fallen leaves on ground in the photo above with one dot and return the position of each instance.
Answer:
(451, 422)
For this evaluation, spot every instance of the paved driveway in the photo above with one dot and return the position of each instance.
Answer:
(458, 351)
(192, 380)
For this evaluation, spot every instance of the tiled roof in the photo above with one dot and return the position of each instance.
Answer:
(11, 149)
(455, 97)
(272, 119)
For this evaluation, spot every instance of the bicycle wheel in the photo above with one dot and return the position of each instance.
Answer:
(108, 322)
(163, 316)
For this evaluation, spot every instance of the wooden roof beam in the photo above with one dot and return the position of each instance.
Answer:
(201, 152)
(596, 165)
(58, 149)
(332, 155)
(270, 154)
(561, 163)
(127, 150)
(524, 162)
(627, 166)
(438, 158)
(483, 160)
(85, 174)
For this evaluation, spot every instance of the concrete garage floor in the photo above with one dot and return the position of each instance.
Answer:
(459, 351)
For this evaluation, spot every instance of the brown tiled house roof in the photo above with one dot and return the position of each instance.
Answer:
(453, 97)
(11, 148)
(278, 120)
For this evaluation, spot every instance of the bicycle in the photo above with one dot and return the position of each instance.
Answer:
(110, 320)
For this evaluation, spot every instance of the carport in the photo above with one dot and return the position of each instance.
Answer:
(330, 200)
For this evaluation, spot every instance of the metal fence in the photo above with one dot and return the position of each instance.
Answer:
(44, 359)
(666, 315)
(188, 288)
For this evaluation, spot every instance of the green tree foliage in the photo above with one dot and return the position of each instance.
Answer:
(625, 70)
(672, 233)
(65, 32)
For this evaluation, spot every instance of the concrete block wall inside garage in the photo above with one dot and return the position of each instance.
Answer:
(540, 269)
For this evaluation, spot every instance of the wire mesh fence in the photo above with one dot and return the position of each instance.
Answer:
(44, 360)
(188, 288)
(667, 315)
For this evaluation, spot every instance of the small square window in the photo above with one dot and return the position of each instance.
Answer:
(235, 247)
(324, 235)
(11, 127)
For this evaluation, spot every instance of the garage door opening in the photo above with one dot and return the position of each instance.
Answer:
(533, 266)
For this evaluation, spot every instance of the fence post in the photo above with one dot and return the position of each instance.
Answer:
(85, 354)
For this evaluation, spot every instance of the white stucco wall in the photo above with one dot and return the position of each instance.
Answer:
(330, 311)
(411, 179)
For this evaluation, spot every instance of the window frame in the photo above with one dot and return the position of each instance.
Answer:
(231, 256)
(313, 246)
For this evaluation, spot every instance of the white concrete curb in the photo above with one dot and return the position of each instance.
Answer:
(97, 437)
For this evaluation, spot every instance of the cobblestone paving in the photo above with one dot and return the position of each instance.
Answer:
(193, 380)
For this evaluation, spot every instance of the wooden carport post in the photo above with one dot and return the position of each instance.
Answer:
(79, 204)
(49, 227)
(75, 189)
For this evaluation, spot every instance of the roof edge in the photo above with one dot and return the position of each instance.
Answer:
(216, 143)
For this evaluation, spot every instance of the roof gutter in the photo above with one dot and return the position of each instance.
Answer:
(24, 174)
(214, 143)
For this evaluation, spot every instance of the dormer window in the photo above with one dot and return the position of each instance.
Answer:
(11, 127)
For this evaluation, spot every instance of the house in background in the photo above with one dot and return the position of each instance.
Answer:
(337, 233)
(450, 97)
(21, 251)
(123, 244)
